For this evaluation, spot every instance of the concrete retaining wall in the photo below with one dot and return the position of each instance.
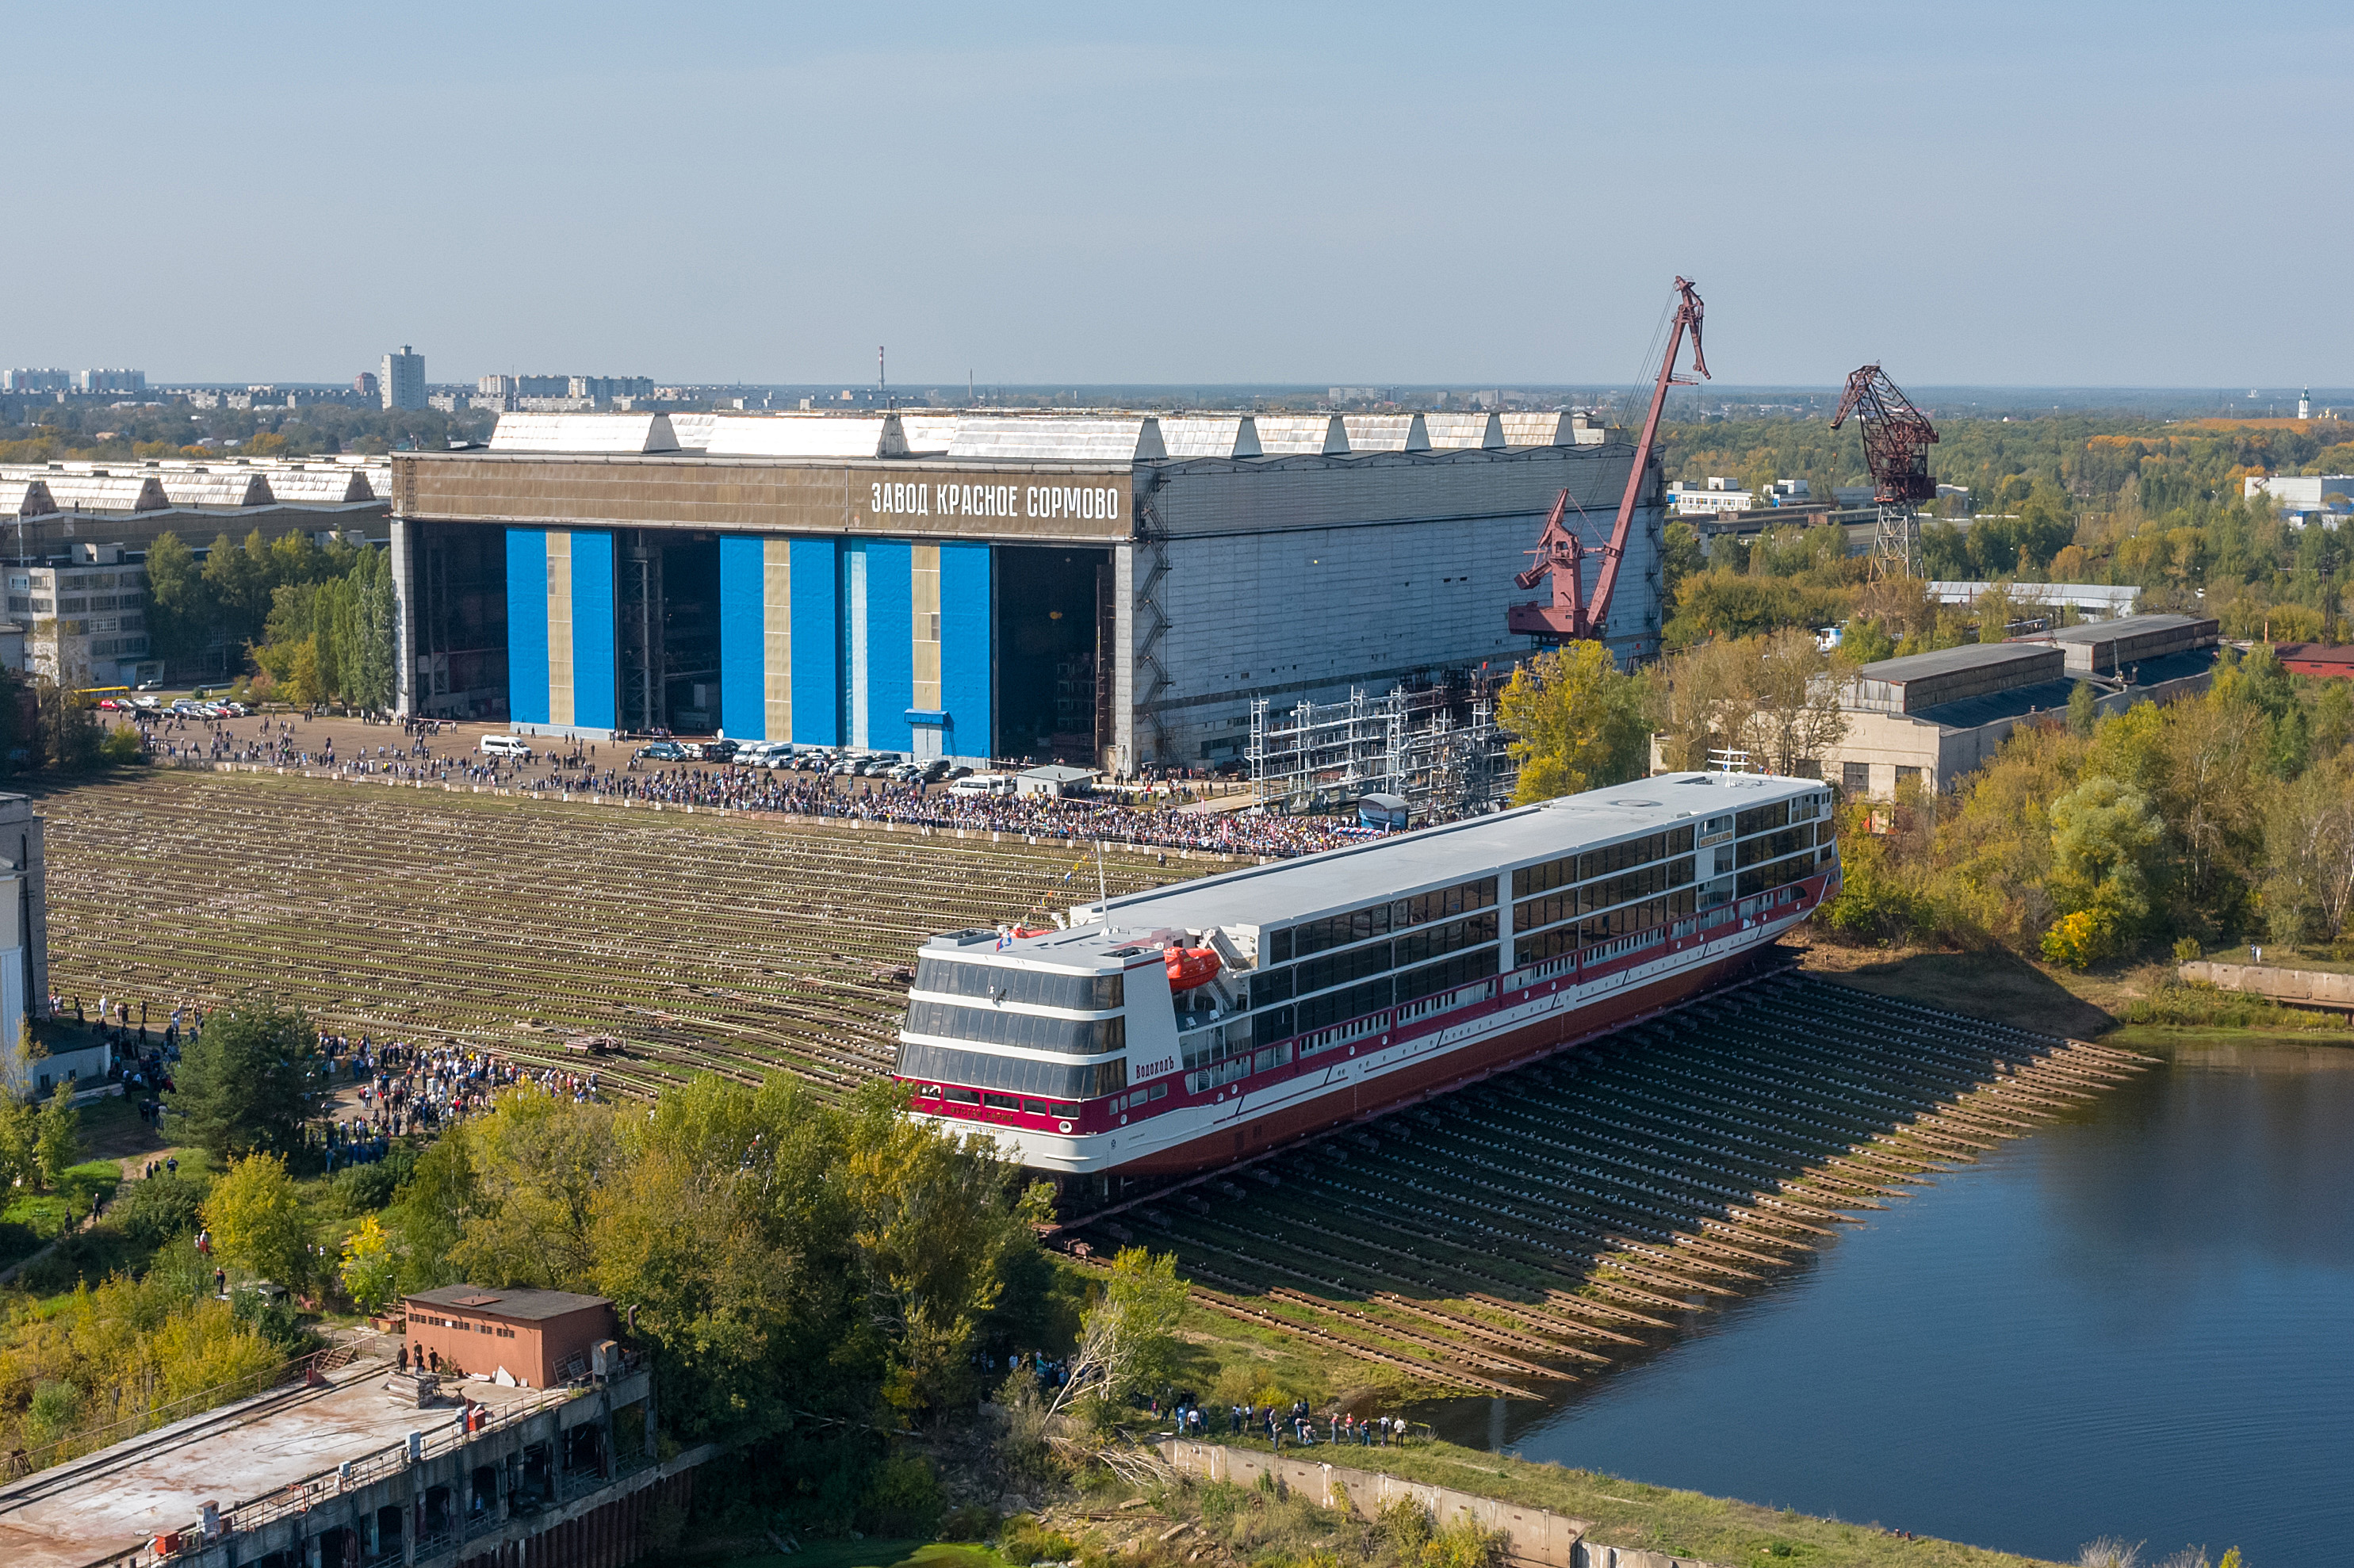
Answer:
(1533, 1536)
(2304, 988)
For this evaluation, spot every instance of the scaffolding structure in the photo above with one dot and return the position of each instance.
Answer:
(1435, 745)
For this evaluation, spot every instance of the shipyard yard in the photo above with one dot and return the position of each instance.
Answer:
(1521, 1262)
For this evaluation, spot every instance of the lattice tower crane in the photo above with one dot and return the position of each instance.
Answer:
(1896, 441)
(1560, 553)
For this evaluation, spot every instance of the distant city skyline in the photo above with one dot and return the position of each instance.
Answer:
(2009, 196)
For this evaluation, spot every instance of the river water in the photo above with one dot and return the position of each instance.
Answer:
(2138, 1323)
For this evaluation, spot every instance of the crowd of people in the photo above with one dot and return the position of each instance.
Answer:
(405, 1087)
(1298, 1424)
(577, 768)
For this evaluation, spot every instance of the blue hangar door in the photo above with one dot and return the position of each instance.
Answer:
(879, 644)
(560, 629)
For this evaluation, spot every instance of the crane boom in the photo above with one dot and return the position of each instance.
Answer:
(1560, 553)
(1896, 441)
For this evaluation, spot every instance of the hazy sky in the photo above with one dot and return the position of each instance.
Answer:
(2046, 193)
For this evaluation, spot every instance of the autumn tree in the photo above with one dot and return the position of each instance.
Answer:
(256, 1218)
(247, 1082)
(1576, 722)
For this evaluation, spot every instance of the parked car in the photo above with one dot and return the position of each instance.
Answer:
(711, 750)
(906, 773)
(663, 751)
(237, 710)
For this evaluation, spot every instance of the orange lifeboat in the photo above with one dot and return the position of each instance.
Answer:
(1190, 967)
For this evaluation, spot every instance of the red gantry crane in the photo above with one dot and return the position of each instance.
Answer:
(1896, 441)
(1561, 554)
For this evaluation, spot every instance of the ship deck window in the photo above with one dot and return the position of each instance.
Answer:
(1015, 1074)
(1029, 1031)
(1000, 1102)
(1033, 1108)
(1038, 988)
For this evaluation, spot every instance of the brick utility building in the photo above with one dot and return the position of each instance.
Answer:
(538, 1338)
(1109, 591)
(2321, 661)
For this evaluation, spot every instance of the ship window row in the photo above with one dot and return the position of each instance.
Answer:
(1602, 929)
(1029, 1031)
(1028, 1105)
(1354, 964)
(1228, 1072)
(1039, 988)
(1547, 875)
(1140, 1098)
(1624, 888)
(1773, 846)
(971, 1070)
(1379, 920)
(1204, 1046)
(1759, 878)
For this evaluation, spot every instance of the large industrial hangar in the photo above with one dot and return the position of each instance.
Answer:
(1111, 590)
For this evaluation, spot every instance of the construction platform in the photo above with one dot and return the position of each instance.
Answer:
(282, 1479)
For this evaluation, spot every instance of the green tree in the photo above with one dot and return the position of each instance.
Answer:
(936, 1221)
(249, 1082)
(430, 1210)
(1577, 722)
(57, 1136)
(255, 1215)
(1128, 1339)
(180, 610)
(537, 1161)
(20, 1130)
(2083, 709)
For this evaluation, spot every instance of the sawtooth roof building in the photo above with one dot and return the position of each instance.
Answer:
(1113, 591)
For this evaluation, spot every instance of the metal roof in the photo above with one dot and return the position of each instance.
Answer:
(1464, 430)
(1293, 435)
(1946, 661)
(25, 498)
(1385, 432)
(523, 1305)
(604, 433)
(324, 486)
(108, 493)
(2123, 627)
(1342, 879)
(200, 487)
(1210, 436)
(806, 435)
(1124, 439)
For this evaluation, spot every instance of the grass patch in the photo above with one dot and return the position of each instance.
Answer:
(1662, 1519)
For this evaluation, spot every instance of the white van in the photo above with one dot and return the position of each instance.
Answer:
(982, 784)
(504, 746)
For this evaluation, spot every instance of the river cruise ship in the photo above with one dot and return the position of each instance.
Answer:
(1170, 1031)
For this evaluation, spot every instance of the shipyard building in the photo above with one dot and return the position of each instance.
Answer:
(1112, 590)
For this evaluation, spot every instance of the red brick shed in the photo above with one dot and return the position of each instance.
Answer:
(538, 1338)
(2322, 659)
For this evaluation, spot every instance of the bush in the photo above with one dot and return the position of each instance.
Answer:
(1405, 1525)
(1024, 1541)
(2079, 941)
(2186, 951)
(1464, 1544)
(2205, 1006)
(903, 1498)
(152, 1212)
(363, 1188)
(971, 1522)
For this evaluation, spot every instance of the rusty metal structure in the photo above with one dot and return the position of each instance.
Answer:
(1571, 617)
(1896, 441)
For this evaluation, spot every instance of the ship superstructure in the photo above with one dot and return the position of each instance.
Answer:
(1169, 1031)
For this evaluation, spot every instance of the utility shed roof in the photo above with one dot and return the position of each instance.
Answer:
(521, 1306)
(806, 436)
(594, 433)
(1120, 439)
(2103, 645)
(1919, 681)
(1454, 430)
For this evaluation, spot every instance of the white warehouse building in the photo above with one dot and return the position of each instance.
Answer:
(1113, 589)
